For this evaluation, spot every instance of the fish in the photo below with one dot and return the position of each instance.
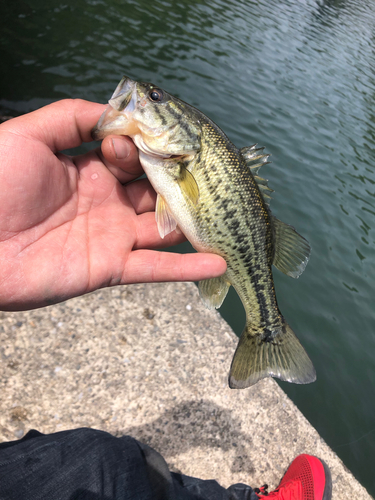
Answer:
(211, 191)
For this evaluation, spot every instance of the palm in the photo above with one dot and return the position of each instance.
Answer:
(67, 226)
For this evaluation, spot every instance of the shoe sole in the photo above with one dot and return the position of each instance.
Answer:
(327, 495)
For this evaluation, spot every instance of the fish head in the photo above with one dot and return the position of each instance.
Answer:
(159, 123)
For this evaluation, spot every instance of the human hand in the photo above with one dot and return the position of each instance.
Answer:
(71, 225)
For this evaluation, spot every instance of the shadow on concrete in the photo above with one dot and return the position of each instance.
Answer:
(193, 424)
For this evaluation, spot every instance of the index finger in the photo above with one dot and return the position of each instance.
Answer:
(61, 125)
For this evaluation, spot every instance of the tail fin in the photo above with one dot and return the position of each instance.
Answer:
(281, 356)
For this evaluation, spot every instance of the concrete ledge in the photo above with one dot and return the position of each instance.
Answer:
(152, 362)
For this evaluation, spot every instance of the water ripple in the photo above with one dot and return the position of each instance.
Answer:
(296, 76)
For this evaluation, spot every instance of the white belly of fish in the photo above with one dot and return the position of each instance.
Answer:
(173, 207)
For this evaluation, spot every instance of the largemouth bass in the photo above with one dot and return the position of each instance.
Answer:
(211, 191)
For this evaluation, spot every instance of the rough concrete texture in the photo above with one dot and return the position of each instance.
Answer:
(152, 362)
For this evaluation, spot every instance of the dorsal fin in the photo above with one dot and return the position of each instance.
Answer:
(250, 155)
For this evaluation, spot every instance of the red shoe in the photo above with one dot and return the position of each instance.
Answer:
(307, 478)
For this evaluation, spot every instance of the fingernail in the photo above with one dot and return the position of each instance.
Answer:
(122, 148)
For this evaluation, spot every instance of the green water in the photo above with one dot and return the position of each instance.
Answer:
(295, 76)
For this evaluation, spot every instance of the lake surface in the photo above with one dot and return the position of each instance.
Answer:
(295, 76)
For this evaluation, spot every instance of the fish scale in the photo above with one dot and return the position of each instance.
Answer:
(205, 186)
(258, 293)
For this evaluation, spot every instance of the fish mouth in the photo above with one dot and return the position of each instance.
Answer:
(122, 94)
(117, 118)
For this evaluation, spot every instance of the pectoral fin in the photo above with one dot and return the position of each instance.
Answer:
(188, 185)
(213, 291)
(292, 251)
(164, 219)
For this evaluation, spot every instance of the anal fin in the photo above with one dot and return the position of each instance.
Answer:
(213, 291)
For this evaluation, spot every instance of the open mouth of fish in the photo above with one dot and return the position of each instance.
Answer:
(118, 119)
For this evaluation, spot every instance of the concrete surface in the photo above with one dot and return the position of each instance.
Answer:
(152, 362)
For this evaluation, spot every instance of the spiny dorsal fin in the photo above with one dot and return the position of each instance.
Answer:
(251, 154)
(292, 251)
(213, 291)
(164, 219)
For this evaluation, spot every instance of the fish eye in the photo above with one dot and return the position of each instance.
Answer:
(156, 95)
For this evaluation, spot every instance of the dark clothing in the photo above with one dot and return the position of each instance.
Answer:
(87, 464)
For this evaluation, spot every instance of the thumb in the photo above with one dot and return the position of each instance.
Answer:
(120, 156)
